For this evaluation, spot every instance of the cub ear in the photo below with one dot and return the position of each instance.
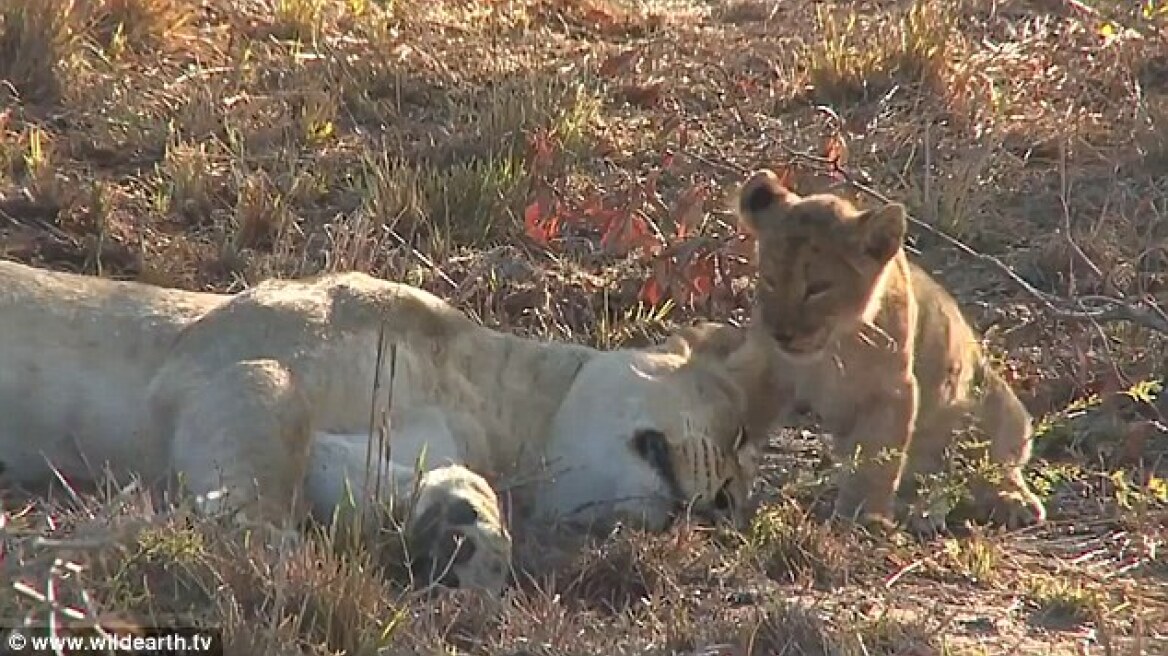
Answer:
(882, 231)
(762, 200)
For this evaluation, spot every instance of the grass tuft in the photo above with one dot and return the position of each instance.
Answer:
(34, 40)
(859, 58)
(1062, 602)
(793, 547)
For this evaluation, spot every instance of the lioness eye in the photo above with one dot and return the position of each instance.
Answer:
(817, 288)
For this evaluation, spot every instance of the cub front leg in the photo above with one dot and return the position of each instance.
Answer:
(241, 439)
(874, 449)
(1002, 494)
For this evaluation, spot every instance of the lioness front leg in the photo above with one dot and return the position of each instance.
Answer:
(875, 450)
(454, 533)
(241, 441)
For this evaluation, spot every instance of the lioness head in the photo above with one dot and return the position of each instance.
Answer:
(821, 261)
(650, 436)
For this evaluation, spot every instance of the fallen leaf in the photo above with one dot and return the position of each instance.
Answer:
(599, 17)
(688, 211)
(643, 95)
(619, 63)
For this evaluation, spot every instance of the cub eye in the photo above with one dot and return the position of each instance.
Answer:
(816, 288)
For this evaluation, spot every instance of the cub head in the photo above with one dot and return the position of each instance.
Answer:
(821, 261)
(649, 436)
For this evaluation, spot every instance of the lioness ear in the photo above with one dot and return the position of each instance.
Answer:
(882, 231)
(751, 362)
(761, 195)
(711, 338)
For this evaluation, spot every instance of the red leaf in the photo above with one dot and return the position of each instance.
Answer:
(649, 244)
(536, 226)
(651, 292)
(835, 150)
(595, 215)
(700, 279)
(532, 223)
(625, 232)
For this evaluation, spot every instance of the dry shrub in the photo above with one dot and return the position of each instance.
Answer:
(792, 547)
(34, 39)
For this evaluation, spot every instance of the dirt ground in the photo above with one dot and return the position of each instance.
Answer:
(565, 169)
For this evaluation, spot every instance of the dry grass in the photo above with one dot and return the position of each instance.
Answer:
(208, 145)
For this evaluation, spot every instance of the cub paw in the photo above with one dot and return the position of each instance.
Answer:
(455, 536)
(1013, 509)
(925, 516)
(876, 522)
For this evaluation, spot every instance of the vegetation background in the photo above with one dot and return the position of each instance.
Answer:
(563, 169)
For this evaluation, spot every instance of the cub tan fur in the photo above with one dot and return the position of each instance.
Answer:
(881, 353)
(261, 401)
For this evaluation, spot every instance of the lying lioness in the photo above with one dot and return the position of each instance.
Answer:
(263, 402)
(882, 353)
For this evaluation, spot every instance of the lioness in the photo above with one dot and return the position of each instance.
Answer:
(262, 402)
(882, 354)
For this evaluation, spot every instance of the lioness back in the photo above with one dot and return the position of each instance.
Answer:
(73, 349)
(881, 351)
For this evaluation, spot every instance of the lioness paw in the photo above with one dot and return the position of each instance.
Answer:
(455, 536)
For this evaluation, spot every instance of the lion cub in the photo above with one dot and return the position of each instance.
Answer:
(883, 355)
